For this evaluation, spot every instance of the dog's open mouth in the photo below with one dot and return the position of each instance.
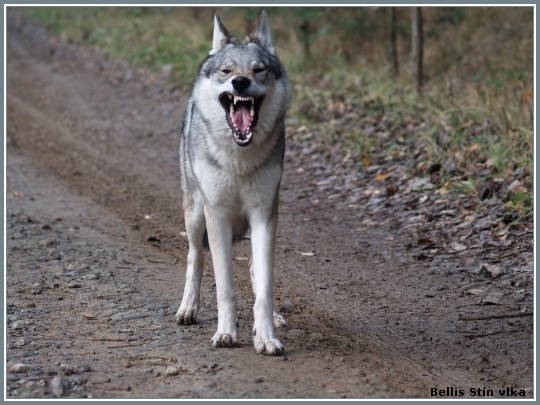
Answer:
(242, 114)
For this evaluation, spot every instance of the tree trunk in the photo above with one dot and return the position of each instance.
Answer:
(305, 30)
(392, 51)
(417, 48)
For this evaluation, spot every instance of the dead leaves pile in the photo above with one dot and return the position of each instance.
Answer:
(378, 168)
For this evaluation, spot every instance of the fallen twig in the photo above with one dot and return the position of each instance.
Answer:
(492, 333)
(483, 318)
(129, 345)
(114, 339)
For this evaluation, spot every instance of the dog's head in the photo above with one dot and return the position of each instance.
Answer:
(244, 78)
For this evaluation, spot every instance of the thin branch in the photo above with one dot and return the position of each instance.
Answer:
(483, 318)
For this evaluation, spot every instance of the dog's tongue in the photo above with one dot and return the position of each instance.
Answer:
(242, 118)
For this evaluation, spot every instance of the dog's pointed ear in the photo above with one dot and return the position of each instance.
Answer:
(221, 36)
(262, 34)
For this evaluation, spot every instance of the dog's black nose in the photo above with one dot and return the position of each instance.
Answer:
(240, 83)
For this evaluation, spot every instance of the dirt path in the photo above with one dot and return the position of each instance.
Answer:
(95, 266)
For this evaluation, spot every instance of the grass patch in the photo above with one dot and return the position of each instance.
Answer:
(141, 36)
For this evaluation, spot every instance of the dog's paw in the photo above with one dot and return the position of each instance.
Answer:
(270, 347)
(279, 320)
(224, 340)
(186, 316)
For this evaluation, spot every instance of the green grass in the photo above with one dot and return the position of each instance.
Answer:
(141, 36)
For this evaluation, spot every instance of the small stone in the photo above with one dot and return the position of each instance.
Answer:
(519, 295)
(171, 370)
(59, 386)
(67, 369)
(458, 247)
(421, 184)
(100, 380)
(19, 325)
(18, 368)
(47, 242)
(20, 343)
(490, 271)
(167, 70)
(484, 224)
(517, 187)
(128, 76)
(74, 284)
(86, 368)
(287, 306)
(31, 384)
(126, 316)
(492, 298)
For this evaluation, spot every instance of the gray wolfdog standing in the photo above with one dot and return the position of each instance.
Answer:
(231, 156)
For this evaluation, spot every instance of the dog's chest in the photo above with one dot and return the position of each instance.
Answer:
(226, 188)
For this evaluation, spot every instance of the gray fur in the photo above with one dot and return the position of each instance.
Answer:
(230, 180)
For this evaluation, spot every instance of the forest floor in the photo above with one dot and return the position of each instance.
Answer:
(389, 289)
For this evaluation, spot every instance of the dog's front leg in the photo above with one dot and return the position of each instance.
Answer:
(194, 219)
(263, 233)
(219, 227)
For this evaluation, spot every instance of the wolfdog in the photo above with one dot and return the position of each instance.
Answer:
(231, 157)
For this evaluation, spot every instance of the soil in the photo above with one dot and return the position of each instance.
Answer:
(96, 259)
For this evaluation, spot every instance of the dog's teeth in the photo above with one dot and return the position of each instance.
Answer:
(230, 96)
(252, 110)
(231, 110)
(235, 99)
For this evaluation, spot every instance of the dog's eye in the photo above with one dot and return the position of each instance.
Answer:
(259, 70)
(225, 71)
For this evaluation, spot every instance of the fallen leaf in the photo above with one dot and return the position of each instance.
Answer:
(183, 234)
(381, 176)
(366, 161)
(17, 194)
(241, 258)
(475, 291)
(490, 270)
(306, 253)
(444, 190)
(474, 148)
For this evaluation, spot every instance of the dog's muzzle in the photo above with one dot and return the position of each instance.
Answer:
(241, 111)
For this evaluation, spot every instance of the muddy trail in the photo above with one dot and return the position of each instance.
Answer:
(96, 260)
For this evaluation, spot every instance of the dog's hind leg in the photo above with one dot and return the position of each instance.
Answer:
(195, 226)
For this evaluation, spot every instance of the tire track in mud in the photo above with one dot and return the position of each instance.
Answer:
(359, 323)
